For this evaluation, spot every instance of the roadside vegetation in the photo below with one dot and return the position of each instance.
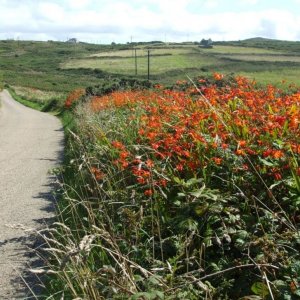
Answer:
(190, 192)
(174, 191)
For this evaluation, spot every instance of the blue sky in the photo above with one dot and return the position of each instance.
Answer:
(105, 21)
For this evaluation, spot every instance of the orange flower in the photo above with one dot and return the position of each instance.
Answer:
(149, 163)
(73, 96)
(218, 76)
(240, 152)
(148, 193)
(118, 145)
(277, 176)
(217, 160)
(242, 143)
(97, 173)
(294, 123)
(277, 154)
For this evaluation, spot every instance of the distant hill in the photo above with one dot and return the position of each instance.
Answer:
(258, 39)
(260, 42)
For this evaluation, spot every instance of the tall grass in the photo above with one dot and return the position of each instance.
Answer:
(189, 193)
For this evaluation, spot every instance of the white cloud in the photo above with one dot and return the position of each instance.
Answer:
(108, 20)
(249, 2)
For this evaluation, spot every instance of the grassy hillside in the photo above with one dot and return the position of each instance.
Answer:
(62, 67)
(36, 64)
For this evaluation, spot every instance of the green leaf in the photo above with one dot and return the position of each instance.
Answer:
(198, 193)
(152, 295)
(189, 224)
(250, 297)
(259, 288)
(181, 195)
(200, 210)
(266, 163)
(192, 182)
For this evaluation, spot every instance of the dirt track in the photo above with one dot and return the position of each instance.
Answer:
(31, 144)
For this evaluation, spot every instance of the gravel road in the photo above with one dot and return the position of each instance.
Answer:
(31, 144)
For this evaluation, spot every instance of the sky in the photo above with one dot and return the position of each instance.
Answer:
(107, 21)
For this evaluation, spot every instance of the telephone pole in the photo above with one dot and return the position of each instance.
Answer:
(148, 64)
(135, 61)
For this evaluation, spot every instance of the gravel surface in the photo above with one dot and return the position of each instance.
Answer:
(31, 144)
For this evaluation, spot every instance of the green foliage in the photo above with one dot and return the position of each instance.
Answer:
(42, 64)
(210, 235)
(107, 86)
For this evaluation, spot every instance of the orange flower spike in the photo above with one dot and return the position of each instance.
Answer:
(240, 152)
(118, 145)
(277, 176)
(242, 144)
(74, 96)
(148, 193)
(218, 76)
(217, 160)
(294, 123)
(278, 154)
(149, 163)
(124, 154)
(141, 180)
(97, 173)
(162, 182)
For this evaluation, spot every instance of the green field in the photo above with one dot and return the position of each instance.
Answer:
(173, 62)
(62, 67)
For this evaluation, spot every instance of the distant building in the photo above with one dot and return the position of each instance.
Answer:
(206, 43)
(72, 41)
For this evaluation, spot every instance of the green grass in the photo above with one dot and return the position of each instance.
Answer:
(36, 64)
(158, 64)
(171, 62)
(221, 49)
(24, 101)
(62, 67)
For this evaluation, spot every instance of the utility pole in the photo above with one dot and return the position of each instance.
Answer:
(148, 64)
(131, 44)
(135, 61)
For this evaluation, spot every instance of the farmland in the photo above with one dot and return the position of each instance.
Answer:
(170, 62)
(62, 67)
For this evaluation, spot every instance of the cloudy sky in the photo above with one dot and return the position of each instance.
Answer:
(106, 21)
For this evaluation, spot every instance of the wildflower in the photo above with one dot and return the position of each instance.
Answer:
(149, 163)
(148, 192)
(242, 143)
(97, 173)
(294, 123)
(162, 182)
(218, 76)
(277, 154)
(73, 96)
(240, 152)
(217, 160)
(277, 176)
(179, 167)
(124, 154)
(141, 180)
(117, 145)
